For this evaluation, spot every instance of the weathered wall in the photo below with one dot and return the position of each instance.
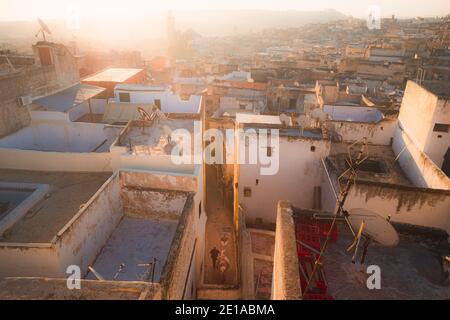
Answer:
(376, 133)
(56, 289)
(218, 292)
(28, 260)
(151, 203)
(181, 258)
(409, 205)
(35, 81)
(82, 238)
(286, 278)
(143, 179)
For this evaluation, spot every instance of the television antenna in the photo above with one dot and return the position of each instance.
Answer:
(119, 271)
(371, 226)
(95, 273)
(149, 273)
(43, 29)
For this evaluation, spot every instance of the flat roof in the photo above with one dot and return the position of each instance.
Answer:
(410, 271)
(439, 88)
(257, 118)
(381, 159)
(68, 191)
(69, 98)
(154, 139)
(113, 75)
(134, 244)
(353, 113)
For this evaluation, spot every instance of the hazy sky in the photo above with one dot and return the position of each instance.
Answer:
(132, 9)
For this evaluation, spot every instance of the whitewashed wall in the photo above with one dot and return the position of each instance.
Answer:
(416, 164)
(300, 170)
(376, 133)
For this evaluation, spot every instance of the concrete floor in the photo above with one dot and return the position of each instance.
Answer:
(68, 191)
(411, 270)
(220, 222)
(134, 242)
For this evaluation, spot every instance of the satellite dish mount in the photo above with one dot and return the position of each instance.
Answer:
(43, 29)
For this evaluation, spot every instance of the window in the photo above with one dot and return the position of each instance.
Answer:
(247, 192)
(199, 209)
(257, 181)
(158, 103)
(269, 151)
(441, 127)
(124, 97)
(313, 148)
(292, 103)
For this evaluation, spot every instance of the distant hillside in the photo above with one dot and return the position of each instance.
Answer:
(211, 23)
(131, 34)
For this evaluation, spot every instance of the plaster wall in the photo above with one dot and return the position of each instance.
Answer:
(418, 167)
(300, 170)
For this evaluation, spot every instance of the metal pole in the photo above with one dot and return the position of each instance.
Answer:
(339, 210)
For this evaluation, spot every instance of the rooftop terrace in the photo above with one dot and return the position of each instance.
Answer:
(67, 193)
(153, 139)
(379, 167)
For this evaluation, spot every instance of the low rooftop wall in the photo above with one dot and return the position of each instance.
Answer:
(286, 278)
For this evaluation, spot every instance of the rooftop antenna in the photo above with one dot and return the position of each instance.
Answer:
(149, 274)
(96, 274)
(43, 30)
(119, 271)
(370, 225)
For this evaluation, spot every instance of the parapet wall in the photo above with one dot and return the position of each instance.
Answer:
(286, 278)
(379, 133)
(417, 165)
(407, 205)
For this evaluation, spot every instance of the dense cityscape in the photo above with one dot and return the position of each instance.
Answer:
(308, 162)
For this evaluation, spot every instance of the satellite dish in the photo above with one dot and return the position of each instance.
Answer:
(319, 115)
(303, 121)
(44, 29)
(285, 119)
(376, 227)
